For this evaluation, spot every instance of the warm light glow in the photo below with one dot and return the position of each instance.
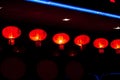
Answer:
(82, 40)
(11, 37)
(112, 1)
(37, 35)
(115, 44)
(61, 38)
(100, 43)
(11, 33)
(118, 46)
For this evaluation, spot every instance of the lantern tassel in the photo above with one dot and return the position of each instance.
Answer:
(38, 43)
(81, 47)
(61, 47)
(101, 51)
(11, 42)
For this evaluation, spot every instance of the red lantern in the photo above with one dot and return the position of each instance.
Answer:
(100, 43)
(37, 35)
(11, 33)
(61, 39)
(82, 40)
(115, 44)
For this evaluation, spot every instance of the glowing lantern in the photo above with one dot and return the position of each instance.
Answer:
(61, 39)
(115, 44)
(11, 33)
(37, 35)
(112, 1)
(100, 43)
(81, 40)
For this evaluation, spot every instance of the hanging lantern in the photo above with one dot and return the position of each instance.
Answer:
(61, 39)
(11, 33)
(115, 44)
(82, 40)
(100, 43)
(37, 35)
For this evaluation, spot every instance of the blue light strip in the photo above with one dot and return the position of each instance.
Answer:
(75, 8)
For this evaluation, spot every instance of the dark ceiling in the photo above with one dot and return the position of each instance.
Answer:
(52, 16)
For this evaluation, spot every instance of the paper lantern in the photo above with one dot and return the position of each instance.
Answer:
(61, 39)
(82, 40)
(11, 33)
(100, 43)
(115, 44)
(37, 35)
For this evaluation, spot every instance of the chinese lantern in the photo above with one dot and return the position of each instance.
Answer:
(37, 35)
(11, 33)
(115, 44)
(81, 40)
(61, 39)
(100, 43)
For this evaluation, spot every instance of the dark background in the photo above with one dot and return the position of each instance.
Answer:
(91, 61)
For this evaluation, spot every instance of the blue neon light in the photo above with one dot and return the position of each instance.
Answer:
(47, 2)
(44, 0)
